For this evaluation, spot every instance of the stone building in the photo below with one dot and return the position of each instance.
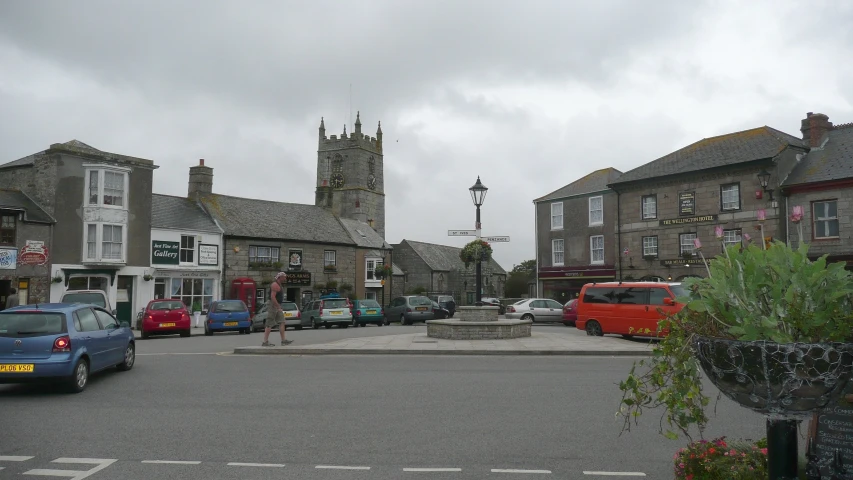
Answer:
(101, 202)
(25, 247)
(574, 236)
(438, 269)
(822, 185)
(664, 205)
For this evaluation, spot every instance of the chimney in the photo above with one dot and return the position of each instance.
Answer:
(201, 181)
(814, 128)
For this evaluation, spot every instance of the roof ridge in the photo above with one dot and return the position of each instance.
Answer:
(262, 200)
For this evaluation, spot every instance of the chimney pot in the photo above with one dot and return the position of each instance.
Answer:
(201, 162)
(815, 127)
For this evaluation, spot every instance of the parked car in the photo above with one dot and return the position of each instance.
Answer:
(228, 315)
(495, 303)
(627, 308)
(292, 316)
(327, 312)
(536, 310)
(408, 309)
(570, 312)
(438, 311)
(165, 317)
(62, 342)
(367, 311)
(88, 297)
(446, 302)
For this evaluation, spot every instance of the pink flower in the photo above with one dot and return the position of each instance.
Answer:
(761, 214)
(797, 213)
(697, 243)
(764, 451)
(718, 232)
(747, 237)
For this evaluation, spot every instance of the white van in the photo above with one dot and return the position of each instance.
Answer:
(91, 297)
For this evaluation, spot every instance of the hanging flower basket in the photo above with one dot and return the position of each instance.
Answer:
(382, 271)
(478, 250)
(779, 379)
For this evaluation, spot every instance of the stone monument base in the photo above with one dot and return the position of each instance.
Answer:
(478, 323)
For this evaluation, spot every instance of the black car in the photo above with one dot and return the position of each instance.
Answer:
(446, 302)
(440, 311)
(494, 302)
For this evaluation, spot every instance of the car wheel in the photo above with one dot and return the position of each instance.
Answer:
(186, 333)
(403, 320)
(249, 331)
(79, 378)
(380, 323)
(298, 327)
(528, 316)
(344, 325)
(145, 335)
(207, 332)
(129, 358)
(593, 329)
(326, 325)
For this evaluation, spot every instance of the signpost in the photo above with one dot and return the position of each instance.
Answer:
(477, 233)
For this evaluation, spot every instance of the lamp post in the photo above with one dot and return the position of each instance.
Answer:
(764, 180)
(478, 195)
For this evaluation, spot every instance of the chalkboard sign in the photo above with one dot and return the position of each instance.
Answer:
(832, 429)
(687, 203)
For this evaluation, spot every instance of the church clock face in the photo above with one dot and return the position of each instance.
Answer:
(371, 182)
(337, 180)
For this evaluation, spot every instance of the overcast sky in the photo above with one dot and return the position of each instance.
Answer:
(529, 95)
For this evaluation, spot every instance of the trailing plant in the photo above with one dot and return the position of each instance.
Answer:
(776, 295)
(57, 279)
(332, 284)
(382, 271)
(319, 286)
(477, 250)
(721, 460)
(345, 288)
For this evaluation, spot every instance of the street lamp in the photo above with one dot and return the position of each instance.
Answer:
(478, 195)
(764, 180)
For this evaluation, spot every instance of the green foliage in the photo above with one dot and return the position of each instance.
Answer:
(417, 290)
(477, 250)
(777, 295)
(382, 271)
(516, 285)
(719, 460)
(345, 288)
(332, 284)
(527, 267)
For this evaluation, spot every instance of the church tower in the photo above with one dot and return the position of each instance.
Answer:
(350, 178)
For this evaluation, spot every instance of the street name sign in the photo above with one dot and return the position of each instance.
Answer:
(461, 233)
(496, 239)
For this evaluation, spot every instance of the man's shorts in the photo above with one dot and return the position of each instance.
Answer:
(275, 317)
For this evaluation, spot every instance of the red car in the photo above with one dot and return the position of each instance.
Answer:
(165, 317)
(570, 312)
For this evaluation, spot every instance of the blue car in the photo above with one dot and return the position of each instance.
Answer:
(228, 315)
(62, 343)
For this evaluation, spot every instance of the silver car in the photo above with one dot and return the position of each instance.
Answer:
(536, 310)
(327, 312)
(408, 309)
(292, 316)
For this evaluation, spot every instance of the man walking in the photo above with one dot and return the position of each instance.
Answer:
(274, 314)
(12, 300)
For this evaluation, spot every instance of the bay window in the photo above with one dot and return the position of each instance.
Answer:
(106, 186)
(104, 242)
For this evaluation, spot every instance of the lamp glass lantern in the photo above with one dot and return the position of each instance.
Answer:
(764, 178)
(478, 192)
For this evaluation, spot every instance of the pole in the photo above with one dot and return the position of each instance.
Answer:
(782, 449)
(479, 272)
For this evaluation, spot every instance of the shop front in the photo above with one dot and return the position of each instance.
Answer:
(564, 283)
(195, 288)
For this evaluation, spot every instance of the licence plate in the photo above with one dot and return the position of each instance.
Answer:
(167, 325)
(288, 314)
(17, 368)
(371, 312)
(420, 309)
(230, 324)
(335, 313)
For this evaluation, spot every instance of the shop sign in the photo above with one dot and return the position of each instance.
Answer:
(197, 274)
(294, 260)
(299, 278)
(8, 258)
(33, 253)
(687, 203)
(682, 261)
(687, 220)
(208, 254)
(164, 253)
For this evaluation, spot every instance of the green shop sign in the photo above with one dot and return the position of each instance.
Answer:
(164, 253)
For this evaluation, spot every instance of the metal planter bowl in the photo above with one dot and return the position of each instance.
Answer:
(788, 380)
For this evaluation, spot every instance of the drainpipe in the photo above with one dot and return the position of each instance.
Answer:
(536, 244)
(619, 232)
(787, 224)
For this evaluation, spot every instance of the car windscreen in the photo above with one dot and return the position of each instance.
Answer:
(167, 305)
(368, 304)
(31, 324)
(288, 306)
(89, 298)
(420, 301)
(237, 306)
(335, 303)
(679, 291)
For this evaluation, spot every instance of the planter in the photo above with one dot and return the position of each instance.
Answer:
(787, 380)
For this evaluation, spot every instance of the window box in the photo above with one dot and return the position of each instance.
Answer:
(265, 265)
(650, 258)
(330, 268)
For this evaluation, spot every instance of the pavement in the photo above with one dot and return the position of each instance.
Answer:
(539, 343)
(196, 331)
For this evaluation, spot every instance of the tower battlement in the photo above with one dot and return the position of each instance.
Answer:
(352, 140)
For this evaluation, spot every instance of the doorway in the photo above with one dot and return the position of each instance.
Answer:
(292, 294)
(124, 299)
(5, 287)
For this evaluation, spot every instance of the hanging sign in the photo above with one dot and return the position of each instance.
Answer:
(33, 253)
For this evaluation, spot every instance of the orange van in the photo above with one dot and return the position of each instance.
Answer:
(626, 308)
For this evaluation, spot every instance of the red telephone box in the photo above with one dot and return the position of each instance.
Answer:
(244, 289)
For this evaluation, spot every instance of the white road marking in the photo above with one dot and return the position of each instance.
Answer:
(432, 469)
(341, 467)
(512, 470)
(100, 464)
(617, 474)
(13, 458)
(269, 465)
(173, 462)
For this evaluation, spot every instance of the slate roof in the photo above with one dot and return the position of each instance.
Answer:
(180, 213)
(724, 150)
(13, 199)
(596, 181)
(395, 270)
(832, 162)
(443, 258)
(252, 218)
(363, 235)
(76, 146)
